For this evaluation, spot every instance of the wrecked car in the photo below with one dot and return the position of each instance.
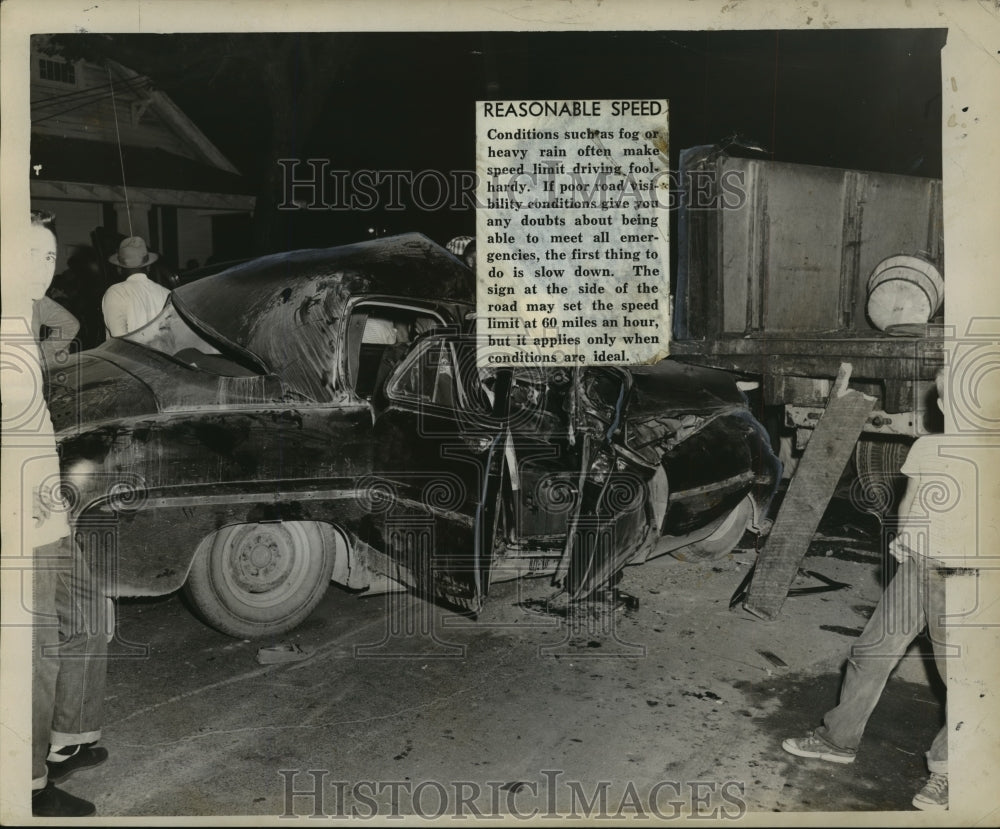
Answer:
(320, 416)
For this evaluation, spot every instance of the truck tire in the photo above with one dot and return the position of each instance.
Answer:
(723, 539)
(880, 483)
(252, 580)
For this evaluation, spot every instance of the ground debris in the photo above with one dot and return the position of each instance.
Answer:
(843, 631)
(709, 695)
(773, 658)
(287, 652)
(598, 604)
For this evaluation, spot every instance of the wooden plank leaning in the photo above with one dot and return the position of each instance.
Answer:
(809, 492)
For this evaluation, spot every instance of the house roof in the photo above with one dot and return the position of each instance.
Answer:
(96, 162)
(79, 123)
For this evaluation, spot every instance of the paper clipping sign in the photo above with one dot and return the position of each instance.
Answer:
(572, 223)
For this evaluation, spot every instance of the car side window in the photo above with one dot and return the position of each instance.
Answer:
(378, 336)
(536, 401)
(429, 377)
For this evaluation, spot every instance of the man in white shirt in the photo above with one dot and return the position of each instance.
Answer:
(130, 304)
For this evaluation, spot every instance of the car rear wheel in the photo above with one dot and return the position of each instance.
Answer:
(251, 580)
(723, 539)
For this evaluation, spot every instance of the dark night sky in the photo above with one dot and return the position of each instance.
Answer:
(866, 99)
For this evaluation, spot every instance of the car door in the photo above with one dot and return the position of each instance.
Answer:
(572, 493)
(437, 472)
(477, 462)
(612, 520)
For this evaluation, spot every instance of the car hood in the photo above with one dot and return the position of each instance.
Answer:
(670, 402)
(672, 389)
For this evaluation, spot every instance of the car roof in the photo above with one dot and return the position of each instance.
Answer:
(283, 308)
(231, 302)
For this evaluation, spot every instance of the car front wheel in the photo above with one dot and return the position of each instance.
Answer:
(723, 539)
(251, 580)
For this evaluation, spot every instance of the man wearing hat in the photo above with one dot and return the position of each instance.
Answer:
(464, 247)
(130, 304)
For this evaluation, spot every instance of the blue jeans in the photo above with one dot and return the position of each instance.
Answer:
(69, 653)
(913, 600)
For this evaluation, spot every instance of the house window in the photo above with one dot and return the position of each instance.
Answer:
(56, 70)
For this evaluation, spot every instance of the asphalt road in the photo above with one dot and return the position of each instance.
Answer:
(668, 702)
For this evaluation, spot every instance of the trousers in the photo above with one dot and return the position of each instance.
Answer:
(68, 655)
(913, 600)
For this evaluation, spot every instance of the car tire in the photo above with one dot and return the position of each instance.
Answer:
(723, 539)
(252, 580)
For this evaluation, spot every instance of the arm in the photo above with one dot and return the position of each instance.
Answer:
(63, 327)
(115, 316)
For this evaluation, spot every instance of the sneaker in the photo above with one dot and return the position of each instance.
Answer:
(67, 760)
(934, 794)
(53, 802)
(813, 746)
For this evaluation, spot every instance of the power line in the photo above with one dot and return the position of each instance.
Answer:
(121, 158)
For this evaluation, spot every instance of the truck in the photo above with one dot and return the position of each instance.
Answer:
(792, 275)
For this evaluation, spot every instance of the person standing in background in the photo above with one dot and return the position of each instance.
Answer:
(924, 546)
(162, 274)
(464, 247)
(79, 289)
(130, 304)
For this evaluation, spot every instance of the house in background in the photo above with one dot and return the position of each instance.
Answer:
(88, 124)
